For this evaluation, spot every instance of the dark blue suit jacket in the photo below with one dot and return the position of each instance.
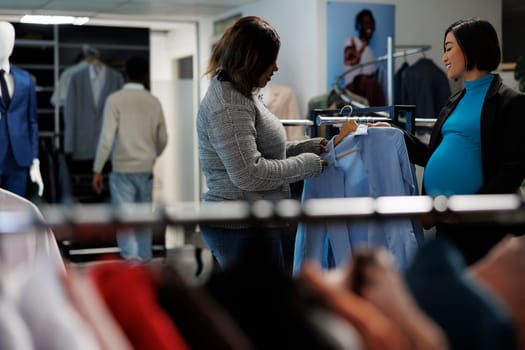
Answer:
(22, 122)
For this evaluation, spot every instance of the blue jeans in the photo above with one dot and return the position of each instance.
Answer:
(228, 245)
(134, 244)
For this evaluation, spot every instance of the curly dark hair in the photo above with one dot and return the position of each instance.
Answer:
(359, 18)
(244, 52)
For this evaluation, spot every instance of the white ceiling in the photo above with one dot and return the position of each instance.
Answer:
(163, 10)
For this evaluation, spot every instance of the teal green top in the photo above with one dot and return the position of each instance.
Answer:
(455, 167)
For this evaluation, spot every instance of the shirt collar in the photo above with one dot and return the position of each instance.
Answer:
(7, 69)
(92, 72)
(133, 86)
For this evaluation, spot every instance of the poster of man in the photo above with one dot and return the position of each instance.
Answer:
(356, 35)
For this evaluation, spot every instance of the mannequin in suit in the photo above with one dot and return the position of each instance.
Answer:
(18, 122)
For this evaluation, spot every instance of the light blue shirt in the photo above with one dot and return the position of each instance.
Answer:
(379, 166)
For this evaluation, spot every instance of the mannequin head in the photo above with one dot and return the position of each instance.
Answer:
(7, 41)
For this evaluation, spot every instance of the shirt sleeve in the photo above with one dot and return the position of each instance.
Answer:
(162, 134)
(233, 134)
(107, 136)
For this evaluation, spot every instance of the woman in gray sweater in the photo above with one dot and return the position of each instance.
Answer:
(243, 150)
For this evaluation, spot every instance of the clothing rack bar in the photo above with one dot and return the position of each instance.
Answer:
(389, 57)
(346, 99)
(403, 53)
(297, 122)
(428, 122)
(507, 207)
(335, 120)
(500, 209)
(322, 120)
(401, 115)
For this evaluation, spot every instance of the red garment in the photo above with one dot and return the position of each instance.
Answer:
(129, 293)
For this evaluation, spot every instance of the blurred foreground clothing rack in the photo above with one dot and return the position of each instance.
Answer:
(244, 303)
(507, 210)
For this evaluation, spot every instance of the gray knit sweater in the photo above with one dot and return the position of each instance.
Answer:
(133, 131)
(243, 151)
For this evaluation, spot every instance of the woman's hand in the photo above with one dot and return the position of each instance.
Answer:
(324, 147)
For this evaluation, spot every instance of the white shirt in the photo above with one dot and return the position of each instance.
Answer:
(366, 56)
(97, 75)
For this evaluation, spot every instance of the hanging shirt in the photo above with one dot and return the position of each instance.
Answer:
(97, 74)
(82, 117)
(60, 93)
(455, 167)
(26, 245)
(369, 163)
(425, 85)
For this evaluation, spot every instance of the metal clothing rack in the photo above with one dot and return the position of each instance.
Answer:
(305, 123)
(506, 210)
(389, 57)
(401, 115)
(296, 122)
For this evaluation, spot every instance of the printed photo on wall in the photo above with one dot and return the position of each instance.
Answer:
(357, 35)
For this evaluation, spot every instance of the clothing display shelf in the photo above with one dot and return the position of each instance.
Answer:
(46, 50)
(401, 51)
(506, 210)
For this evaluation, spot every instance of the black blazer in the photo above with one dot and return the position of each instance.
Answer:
(502, 138)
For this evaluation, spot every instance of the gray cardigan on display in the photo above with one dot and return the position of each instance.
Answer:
(82, 118)
(243, 150)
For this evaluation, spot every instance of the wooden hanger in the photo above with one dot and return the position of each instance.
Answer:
(347, 128)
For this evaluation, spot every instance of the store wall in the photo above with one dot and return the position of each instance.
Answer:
(301, 25)
(177, 167)
(176, 172)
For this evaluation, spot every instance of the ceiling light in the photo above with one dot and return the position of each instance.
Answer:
(41, 19)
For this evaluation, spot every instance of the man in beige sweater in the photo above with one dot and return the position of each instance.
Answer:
(134, 134)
